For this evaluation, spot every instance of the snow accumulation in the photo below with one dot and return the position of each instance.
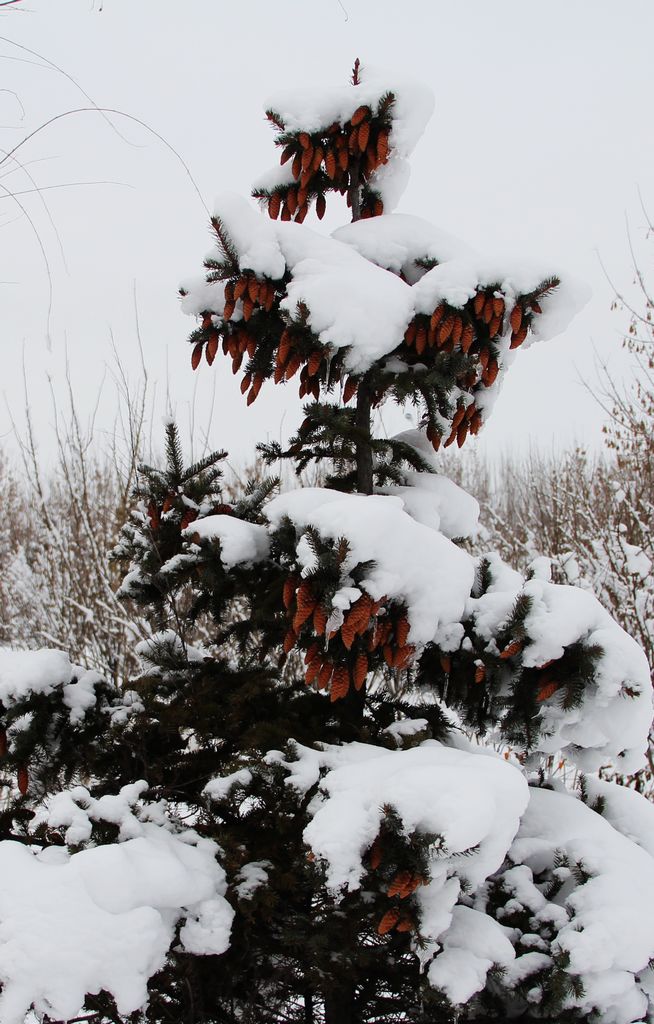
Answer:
(350, 283)
(478, 804)
(241, 543)
(604, 924)
(421, 568)
(103, 918)
(23, 673)
(433, 499)
(473, 803)
(613, 719)
(433, 577)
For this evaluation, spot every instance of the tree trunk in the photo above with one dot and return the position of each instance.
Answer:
(363, 453)
(339, 1006)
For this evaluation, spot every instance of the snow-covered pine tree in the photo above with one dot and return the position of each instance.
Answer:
(348, 812)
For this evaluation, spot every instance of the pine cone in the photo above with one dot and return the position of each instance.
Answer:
(546, 691)
(479, 302)
(245, 382)
(519, 336)
(364, 135)
(515, 318)
(212, 348)
(288, 590)
(287, 153)
(480, 673)
(253, 289)
(274, 205)
(511, 649)
(340, 683)
(320, 617)
(398, 886)
(293, 366)
(388, 921)
(325, 675)
(330, 164)
(196, 355)
(23, 780)
(360, 114)
(312, 672)
(494, 326)
(350, 389)
(360, 671)
(467, 337)
(321, 206)
(382, 146)
(457, 330)
(402, 628)
(376, 851)
(315, 359)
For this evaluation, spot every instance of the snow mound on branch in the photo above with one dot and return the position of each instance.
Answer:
(354, 302)
(604, 924)
(627, 811)
(104, 918)
(472, 803)
(241, 543)
(614, 716)
(413, 563)
(471, 945)
(23, 673)
(396, 240)
(433, 499)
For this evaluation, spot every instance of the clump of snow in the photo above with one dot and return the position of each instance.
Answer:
(221, 787)
(251, 877)
(473, 803)
(604, 923)
(396, 240)
(104, 918)
(23, 673)
(168, 641)
(472, 944)
(413, 564)
(613, 719)
(241, 543)
(349, 283)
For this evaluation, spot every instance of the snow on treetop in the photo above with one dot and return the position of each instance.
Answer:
(315, 108)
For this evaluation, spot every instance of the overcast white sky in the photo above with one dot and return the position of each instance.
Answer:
(541, 139)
